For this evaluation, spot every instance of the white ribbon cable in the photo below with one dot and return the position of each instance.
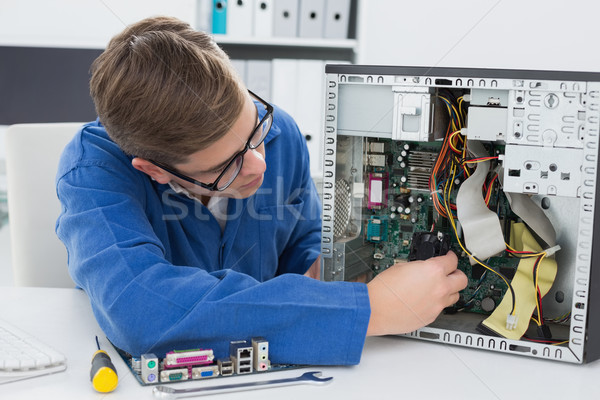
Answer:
(535, 218)
(481, 226)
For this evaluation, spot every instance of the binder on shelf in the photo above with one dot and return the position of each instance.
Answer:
(284, 84)
(204, 16)
(263, 18)
(285, 18)
(311, 16)
(219, 17)
(258, 77)
(240, 18)
(337, 17)
(240, 67)
(309, 111)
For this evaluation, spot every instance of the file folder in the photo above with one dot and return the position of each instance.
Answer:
(263, 18)
(204, 16)
(337, 16)
(285, 18)
(240, 16)
(284, 84)
(310, 22)
(219, 17)
(258, 77)
(240, 67)
(309, 110)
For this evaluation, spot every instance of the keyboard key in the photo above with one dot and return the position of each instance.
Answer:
(24, 356)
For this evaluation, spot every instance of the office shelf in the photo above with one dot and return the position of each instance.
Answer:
(287, 42)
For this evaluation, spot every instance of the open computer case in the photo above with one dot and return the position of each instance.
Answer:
(499, 166)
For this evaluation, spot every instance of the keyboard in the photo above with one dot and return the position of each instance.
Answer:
(22, 356)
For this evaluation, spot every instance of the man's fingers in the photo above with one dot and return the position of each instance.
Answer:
(453, 299)
(458, 280)
(449, 262)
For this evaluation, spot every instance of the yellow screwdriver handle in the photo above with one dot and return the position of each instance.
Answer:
(103, 373)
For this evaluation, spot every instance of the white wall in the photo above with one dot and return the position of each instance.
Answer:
(531, 34)
(527, 34)
(79, 23)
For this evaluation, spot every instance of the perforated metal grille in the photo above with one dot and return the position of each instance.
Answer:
(342, 206)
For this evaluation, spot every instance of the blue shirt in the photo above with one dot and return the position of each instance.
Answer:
(161, 276)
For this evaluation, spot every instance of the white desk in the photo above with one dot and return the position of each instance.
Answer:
(391, 367)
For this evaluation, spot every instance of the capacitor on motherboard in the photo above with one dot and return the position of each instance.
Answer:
(488, 304)
(401, 201)
(406, 146)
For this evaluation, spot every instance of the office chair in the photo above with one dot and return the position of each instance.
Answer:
(32, 153)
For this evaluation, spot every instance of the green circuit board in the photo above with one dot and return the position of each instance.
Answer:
(402, 170)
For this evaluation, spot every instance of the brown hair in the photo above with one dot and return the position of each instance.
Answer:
(164, 91)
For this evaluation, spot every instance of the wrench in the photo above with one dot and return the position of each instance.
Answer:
(312, 377)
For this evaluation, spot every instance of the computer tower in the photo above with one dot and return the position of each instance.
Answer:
(499, 166)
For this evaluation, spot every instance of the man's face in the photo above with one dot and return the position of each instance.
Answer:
(206, 165)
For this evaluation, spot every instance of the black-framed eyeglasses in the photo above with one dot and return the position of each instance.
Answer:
(233, 168)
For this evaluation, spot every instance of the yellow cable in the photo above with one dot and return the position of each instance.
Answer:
(523, 283)
(451, 218)
(537, 300)
(525, 255)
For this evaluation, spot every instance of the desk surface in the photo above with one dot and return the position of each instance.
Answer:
(391, 367)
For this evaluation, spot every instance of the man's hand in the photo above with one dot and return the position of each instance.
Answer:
(315, 270)
(408, 296)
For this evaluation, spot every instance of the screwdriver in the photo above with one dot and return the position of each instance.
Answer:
(103, 373)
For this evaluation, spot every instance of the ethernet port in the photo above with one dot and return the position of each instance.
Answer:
(245, 353)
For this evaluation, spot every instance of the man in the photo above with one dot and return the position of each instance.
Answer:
(191, 220)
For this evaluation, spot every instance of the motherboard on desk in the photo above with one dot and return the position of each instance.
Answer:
(246, 357)
(498, 166)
